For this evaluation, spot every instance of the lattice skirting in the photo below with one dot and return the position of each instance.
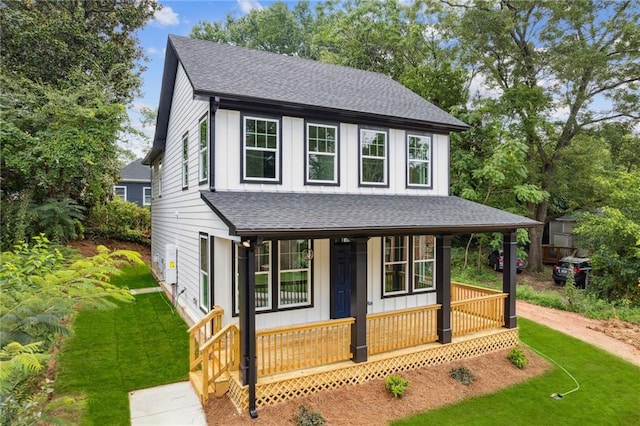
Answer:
(273, 390)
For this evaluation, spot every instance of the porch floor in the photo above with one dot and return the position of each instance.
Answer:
(280, 387)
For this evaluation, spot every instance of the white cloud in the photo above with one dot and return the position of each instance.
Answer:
(248, 5)
(166, 17)
(153, 51)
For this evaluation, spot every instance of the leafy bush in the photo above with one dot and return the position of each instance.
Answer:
(39, 288)
(396, 385)
(463, 375)
(518, 357)
(308, 418)
(122, 220)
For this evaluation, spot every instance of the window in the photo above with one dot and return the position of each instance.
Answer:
(261, 156)
(146, 196)
(292, 275)
(204, 149)
(185, 161)
(322, 146)
(373, 157)
(294, 284)
(157, 180)
(395, 265)
(204, 272)
(423, 263)
(120, 192)
(419, 161)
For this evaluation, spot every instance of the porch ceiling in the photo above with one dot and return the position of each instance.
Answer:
(293, 215)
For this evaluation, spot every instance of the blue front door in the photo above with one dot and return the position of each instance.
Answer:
(341, 280)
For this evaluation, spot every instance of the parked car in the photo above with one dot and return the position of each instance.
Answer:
(496, 261)
(580, 267)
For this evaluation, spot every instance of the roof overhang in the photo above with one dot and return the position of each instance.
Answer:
(307, 215)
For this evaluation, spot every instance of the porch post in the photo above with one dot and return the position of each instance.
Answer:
(359, 298)
(509, 244)
(443, 286)
(247, 320)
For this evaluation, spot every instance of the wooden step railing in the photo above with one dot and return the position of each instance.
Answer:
(201, 332)
(220, 355)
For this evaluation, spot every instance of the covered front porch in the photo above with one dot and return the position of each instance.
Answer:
(302, 359)
(263, 366)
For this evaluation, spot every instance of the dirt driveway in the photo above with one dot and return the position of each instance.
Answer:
(617, 337)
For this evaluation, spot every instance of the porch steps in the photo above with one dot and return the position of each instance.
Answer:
(218, 388)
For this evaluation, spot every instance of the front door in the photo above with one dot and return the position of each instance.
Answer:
(341, 280)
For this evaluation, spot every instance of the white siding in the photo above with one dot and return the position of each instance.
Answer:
(229, 150)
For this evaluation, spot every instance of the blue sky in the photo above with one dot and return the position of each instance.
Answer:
(176, 17)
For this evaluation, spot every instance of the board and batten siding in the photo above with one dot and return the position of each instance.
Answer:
(228, 145)
(179, 215)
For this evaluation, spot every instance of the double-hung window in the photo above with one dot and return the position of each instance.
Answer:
(294, 283)
(203, 147)
(185, 161)
(146, 196)
(408, 257)
(285, 283)
(157, 180)
(396, 265)
(374, 153)
(419, 161)
(204, 272)
(423, 263)
(322, 148)
(261, 149)
(120, 192)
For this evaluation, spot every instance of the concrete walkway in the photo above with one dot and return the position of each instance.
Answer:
(175, 404)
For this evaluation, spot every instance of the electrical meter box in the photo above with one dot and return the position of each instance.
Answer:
(170, 263)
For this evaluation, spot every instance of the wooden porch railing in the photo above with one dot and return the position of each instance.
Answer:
(480, 313)
(301, 346)
(201, 332)
(220, 355)
(388, 331)
(460, 291)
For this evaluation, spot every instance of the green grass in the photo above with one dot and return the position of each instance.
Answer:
(135, 346)
(134, 276)
(608, 394)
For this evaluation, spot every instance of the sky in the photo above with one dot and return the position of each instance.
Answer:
(176, 17)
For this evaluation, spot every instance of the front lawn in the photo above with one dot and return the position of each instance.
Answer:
(608, 394)
(135, 346)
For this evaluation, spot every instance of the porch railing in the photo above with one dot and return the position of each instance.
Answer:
(301, 346)
(220, 355)
(388, 331)
(480, 313)
(460, 291)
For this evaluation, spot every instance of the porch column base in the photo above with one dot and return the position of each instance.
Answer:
(359, 353)
(444, 335)
(511, 322)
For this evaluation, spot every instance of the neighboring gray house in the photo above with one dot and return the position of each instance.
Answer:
(135, 183)
(290, 194)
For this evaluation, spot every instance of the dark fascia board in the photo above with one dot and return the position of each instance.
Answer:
(153, 154)
(166, 99)
(370, 232)
(230, 101)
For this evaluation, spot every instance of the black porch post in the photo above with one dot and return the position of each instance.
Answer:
(359, 298)
(443, 286)
(247, 320)
(509, 244)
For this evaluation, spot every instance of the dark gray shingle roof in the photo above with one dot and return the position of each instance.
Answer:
(135, 171)
(225, 70)
(271, 214)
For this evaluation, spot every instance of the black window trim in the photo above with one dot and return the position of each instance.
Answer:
(387, 157)
(205, 117)
(409, 185)
(410, 290)
(278, 119)
(335, 124)
(186, 135)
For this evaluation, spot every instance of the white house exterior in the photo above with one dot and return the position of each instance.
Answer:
(333, 181)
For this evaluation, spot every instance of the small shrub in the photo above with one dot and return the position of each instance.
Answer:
(396, 385)
(308, 418)
(463, 375)
(518, 357)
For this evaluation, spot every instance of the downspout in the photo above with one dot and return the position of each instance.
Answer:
(247, 287)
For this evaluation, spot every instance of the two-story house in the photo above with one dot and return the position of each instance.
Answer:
(301, 217)
(134, 184)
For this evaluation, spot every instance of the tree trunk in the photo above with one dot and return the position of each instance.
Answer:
(539, 213)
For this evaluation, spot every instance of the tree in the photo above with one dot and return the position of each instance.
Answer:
(53, 41)
(552, 64)
(274, 29)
